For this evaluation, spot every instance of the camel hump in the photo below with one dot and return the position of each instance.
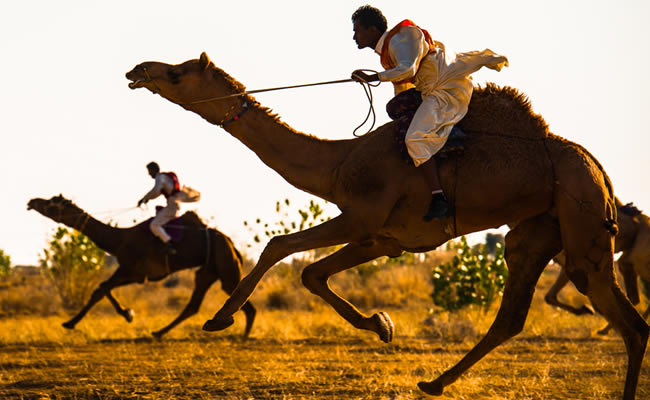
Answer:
(503, 111)
(192, 218)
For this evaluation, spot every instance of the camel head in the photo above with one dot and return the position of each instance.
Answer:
(58, 209)
(188, 84)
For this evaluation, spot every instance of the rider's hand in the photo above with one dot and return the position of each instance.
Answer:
(360, 76)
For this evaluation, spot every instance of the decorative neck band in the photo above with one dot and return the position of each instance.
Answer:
(246, 106)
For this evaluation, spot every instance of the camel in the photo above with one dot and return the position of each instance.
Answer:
(633, 240)
(513, 171)
(140, 258)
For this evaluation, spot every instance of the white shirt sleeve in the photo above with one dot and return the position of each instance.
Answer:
(406, 48)
(163, 182)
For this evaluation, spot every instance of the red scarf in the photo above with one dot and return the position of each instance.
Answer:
(386, 61)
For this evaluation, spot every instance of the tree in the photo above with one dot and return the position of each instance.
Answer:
(74, 265)
(5, 263)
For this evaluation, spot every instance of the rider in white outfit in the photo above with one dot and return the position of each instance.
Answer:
(166, 184)
(412, 59)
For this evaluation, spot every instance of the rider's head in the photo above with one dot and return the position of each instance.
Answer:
(153, 169)
(368, 24)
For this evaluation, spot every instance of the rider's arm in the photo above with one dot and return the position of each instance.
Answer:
(407, 49)
(157, 188)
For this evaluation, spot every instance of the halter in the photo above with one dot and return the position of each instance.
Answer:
(149, 80)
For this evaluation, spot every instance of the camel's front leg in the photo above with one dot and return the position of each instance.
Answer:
(315, 277)
(104, 289)
(339, 230)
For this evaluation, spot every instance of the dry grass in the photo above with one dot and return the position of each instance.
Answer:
(302, 351)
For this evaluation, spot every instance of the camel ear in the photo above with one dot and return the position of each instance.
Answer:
(204, 61)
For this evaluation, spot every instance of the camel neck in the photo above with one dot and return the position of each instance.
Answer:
(306, 162)
(104, 236)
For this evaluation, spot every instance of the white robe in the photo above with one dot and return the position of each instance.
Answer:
(445, 84)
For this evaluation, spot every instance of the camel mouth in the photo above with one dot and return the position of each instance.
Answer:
(136, 84)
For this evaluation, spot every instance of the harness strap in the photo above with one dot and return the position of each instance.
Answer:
(246, 106)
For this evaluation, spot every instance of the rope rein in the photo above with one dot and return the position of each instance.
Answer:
(367, 89)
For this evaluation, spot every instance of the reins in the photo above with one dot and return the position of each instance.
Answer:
(367, 88)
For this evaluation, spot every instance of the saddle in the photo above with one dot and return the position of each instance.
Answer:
(401, 109)
(174, 228)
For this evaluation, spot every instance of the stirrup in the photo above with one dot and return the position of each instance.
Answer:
(439, 208)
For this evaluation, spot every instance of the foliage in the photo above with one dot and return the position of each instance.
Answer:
(473, 276)
(73, 263)
(289, 221)
(5, 263)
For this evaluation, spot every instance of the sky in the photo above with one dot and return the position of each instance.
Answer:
(71, 126)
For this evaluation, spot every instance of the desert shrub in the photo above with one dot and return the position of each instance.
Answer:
(5, 264)
(74, 265)
(473, 276)
(289, 220)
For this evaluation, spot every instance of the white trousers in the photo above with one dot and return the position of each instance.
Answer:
(427, 133)
(162, 217)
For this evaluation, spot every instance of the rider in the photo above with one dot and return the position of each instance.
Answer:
(166, 184)
(412, 59)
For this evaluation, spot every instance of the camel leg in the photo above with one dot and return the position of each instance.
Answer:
(551, 296)
(104, 289)
(127, 313)
(631, 288)
(529, 248)
(339, 230)
(203, 279)
(590, 266)
(315, 277)
(609, 300)
(228, 284)
(630, 280)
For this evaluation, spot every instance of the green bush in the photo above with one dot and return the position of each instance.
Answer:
(473, 276)
(289, 221)
(73, 263)
(5, 263)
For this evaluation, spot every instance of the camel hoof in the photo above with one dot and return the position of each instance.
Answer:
(68, 325)
(385, 325)
(603, 331)
(586, 310)
(213, 325)
(434, 387)
(157, 334)
(129, 315)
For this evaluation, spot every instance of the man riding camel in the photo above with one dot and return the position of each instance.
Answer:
(167, 184)
(418, 66)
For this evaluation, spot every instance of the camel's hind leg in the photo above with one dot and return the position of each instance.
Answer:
(203, 279)
(529, 248)
(608, 299)
(551, 296)
(315, 277)
(589, 251)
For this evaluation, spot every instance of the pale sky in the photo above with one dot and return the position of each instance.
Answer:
(71, 125)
